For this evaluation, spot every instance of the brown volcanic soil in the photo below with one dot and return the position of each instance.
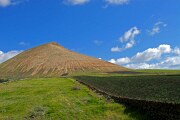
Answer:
(53, 60)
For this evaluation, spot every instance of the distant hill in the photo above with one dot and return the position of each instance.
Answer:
(53, 60)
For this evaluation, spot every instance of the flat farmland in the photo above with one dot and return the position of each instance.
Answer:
(160, 88)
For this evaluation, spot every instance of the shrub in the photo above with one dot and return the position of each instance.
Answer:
(37, 113)
(75, 88)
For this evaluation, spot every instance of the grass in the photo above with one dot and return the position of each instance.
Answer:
(159, 71)
(58, 99)
(162, 88)
(66, 99)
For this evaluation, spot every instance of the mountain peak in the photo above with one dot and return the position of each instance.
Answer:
(53, 60)
(52, 43)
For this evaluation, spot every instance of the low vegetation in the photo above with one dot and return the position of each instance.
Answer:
(3, 80)
(65, 98)
(156, 92)
(159, 72)
(162, 88)
(58, 99)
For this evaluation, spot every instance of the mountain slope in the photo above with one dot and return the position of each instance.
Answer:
(53, 60)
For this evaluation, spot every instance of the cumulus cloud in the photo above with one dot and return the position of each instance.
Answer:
(152, 53)
(8, 55)
(162, 57)
(176, 51)
(117, 2)
(128, 39)
(171, 62)
(130, 44)
(76, 2)
(141, 66)
(168, 63)
(157, 28)
(130, 34)
(120, 61)
(112, 61)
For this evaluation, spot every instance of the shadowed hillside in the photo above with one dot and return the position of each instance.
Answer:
(53, 60)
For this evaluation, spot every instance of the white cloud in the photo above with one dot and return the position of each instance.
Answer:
(157, 28)
(8, 55)
(162, 57)
(170, 62)
(76, 2)
(117, 2)
(113, 61)
(115, 49)
(130, 34)
(141, 66)
(122, 61)
(176, 51)
(152, 53)
(130, 44)
(23, 43)
(6, 3)
(167, 63)
(128, 38)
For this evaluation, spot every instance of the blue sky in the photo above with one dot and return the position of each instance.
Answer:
(133, 33)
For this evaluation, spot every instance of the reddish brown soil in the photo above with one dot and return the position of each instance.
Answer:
(53, 60)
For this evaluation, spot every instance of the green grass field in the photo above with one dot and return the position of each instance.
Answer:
(161, 88)
(159, 71)
(58, 99)
(66, 99)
